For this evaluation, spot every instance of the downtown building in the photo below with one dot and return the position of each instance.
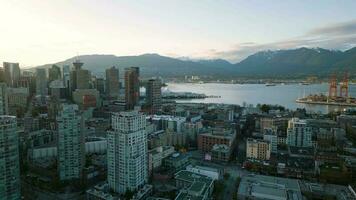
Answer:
(4, 104)
(299, 133)
(127, 152)
(132, 87)
(9, 159)
(12, 73)
(154, 96)
(71, 153)
(41, 82)
(112, 82)
(79, 78)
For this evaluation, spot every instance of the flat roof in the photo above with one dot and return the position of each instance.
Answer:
(270, 187)
(192, 177)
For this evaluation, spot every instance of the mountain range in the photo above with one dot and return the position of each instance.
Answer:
(293, 62)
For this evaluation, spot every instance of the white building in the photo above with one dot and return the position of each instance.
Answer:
(299, 134)
(9, 159)
(271, 136)
(210, 172)
(70, 143)
(168, 122)
(127, 152)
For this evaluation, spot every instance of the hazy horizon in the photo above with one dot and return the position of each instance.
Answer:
(36, 32)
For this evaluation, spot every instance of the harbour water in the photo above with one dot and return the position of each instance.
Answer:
(284, 95)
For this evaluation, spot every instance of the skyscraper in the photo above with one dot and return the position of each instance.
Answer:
(12, 73)
(71, 150)
(54, 73)
(4, 104)
(66, 75)
(41, 82)
(9, 159)
(2, 74)
(99, 85)
(127, 152)
(153, 95)
(112, 82)
(132, 87)
(299, 134)
(80, 78)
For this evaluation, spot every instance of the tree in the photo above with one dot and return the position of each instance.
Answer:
(128, 194)
(226, 176)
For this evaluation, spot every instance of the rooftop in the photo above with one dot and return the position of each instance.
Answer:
(188, 176)
(269, 187)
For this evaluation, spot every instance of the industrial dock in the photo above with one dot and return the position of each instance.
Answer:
(333, 98)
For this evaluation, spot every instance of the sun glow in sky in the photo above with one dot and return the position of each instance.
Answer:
(35, 32)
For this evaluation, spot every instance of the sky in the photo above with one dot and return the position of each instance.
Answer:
(36, 32)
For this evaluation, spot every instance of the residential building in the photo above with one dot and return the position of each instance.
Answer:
(168, 122)
(279, 123)
(207, 140)
(9, 159)
(127, 152)
(258, 149)
(270, 135)
(132, 87)
(154, 96)
(71, 155)
(112, 82)
(17, 99)
(299, 134)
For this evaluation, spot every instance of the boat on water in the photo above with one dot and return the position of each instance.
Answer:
(270, 84)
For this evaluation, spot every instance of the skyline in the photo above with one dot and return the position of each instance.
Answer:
(47, 32)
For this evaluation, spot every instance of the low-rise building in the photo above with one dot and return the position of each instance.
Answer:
(213, 173)
(156, 155)
(177, 161)
(193, 186)
(258, 149)
(100, 192)
(269, 187)
(220, 153)
(80, 95)
(207, 140)
(168, 122)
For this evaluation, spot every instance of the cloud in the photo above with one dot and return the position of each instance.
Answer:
(338, 36)
(335, 29)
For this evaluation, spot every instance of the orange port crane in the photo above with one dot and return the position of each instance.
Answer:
(344, 87)
(333, 86)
